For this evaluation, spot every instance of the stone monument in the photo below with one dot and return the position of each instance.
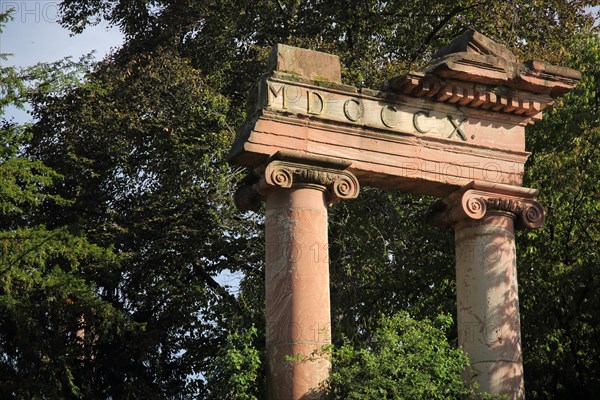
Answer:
(455, 130)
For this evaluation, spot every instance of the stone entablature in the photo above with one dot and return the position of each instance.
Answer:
(283, 95)
(460, 119)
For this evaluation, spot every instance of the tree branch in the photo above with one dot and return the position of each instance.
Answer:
(440, 25)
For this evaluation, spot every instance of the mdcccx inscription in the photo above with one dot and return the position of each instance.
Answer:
(361, 110)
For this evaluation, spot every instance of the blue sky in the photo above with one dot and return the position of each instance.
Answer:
(36, 36)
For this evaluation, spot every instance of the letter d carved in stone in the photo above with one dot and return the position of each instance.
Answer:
(315, 104)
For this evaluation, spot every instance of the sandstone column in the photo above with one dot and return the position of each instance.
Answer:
(483, 218)
(298, 191)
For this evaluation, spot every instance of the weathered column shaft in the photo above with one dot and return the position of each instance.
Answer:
(298, 189)
(488, 302)
(483, 217)
(297, 291)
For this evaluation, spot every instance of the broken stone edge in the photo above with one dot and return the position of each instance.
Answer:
(474, 71)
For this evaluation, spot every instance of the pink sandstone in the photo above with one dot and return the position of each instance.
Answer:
(455, 129)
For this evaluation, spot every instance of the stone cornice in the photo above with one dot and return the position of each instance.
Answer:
(287, 169)
(476, 200)
(474, 71)
(472, 95)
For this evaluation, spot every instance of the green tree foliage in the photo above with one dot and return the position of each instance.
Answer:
(234, 373)
(141, 147)
(50, 311)
(134, 169)
(402, 359)
(374, 38)
(560, 274)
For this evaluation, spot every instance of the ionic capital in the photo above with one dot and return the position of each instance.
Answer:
(286, 170)
(477, 199)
